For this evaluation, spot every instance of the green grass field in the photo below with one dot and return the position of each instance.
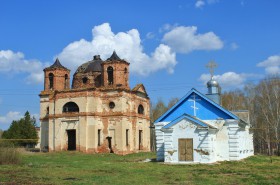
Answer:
(79, 168)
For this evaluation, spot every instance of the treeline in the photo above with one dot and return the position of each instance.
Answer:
(263, 102)
(22, 132)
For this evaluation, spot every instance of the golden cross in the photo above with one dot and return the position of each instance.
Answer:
(211, 65)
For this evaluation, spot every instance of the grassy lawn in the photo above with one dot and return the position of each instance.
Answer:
(79, 168)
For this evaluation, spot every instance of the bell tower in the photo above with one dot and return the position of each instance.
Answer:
(56, 77)
(115, 72)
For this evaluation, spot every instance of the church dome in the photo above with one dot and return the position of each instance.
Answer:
(91, 66)
(212, 83)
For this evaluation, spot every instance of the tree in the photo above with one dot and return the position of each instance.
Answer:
(24, 130)
(1, 132)
(267, 102)
(263, 102)
(172, 102)
(234, 100)
(160, 108)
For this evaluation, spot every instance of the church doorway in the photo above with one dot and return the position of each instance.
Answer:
(140, 139)
(185, 149)
(71, 139)
(110, 144)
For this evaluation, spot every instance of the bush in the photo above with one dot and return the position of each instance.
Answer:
(9, 153)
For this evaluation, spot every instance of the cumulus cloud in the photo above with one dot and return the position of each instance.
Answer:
(271, 65)
(15, 62)
(228, 79)
(126, 44)
(186, 39)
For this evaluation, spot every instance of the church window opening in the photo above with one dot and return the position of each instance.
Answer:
(51, 80)
(97, 81)
(99, 137)
(85, 79)
(112, 105)
(70, 107)
(48, 110)
(110, 72)
(126, 138)
(125, 70)
(65, 81)
(140, 109)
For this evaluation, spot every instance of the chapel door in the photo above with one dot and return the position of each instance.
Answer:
(185, 149)
(71, 139)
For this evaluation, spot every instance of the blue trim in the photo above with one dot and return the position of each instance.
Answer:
(185, 116)
(231, 115)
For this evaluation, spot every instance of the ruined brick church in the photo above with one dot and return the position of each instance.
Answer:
(99, 113)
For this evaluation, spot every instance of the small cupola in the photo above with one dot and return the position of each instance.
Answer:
(214, 89)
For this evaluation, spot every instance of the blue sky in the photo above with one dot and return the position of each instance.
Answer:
(168, 44)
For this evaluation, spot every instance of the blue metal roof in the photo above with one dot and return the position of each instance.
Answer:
(197, 105)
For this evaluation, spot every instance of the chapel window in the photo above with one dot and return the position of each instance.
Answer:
(140, 109)
(110, 72)
(125, 70)
(51, 80)
(70, 107)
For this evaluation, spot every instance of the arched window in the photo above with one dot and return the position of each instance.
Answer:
(97, 81)
(140, 109)
(110, 72)
(66, 81)
(85, 79)
(48, 110)
(125, 70)
(70, 107)
(51, 80)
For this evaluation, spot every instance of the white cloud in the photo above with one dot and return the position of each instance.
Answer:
(9, 117)
(15, 62)
(127, 45)
(186, 39)
(271, 65)
(199, 4)
(228, 79)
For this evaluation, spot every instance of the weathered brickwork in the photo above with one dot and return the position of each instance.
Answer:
(94, 117)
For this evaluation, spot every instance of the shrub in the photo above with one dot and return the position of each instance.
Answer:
(9, 153)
